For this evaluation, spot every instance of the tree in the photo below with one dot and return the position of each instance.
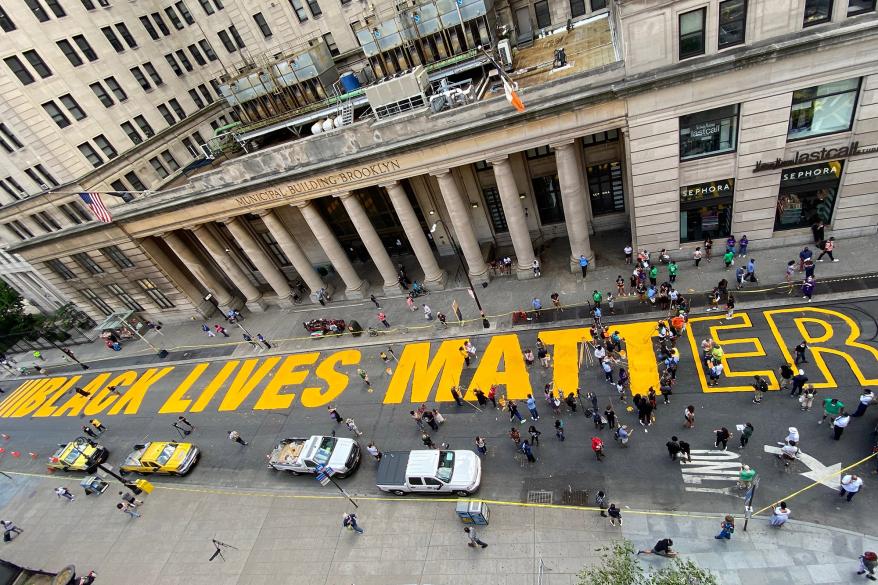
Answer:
(14, 322)
(619, 566)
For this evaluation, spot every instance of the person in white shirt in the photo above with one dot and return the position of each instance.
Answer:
(850, 485)
(866, 398)
(789, 453)
(840, 424)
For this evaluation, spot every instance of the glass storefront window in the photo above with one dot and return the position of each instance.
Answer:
(823, 109)
(605, 188)
(547, 192)
(706, 209)
(710, 132)
(807, 195)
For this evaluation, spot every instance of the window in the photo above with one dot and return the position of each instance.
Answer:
(105, 146)
(187, 64)
(854, 7)
(710, 132)
(817, 12)
(547, 192)
(299, 9)
(263, 26)
(577, 8)
(37, 63)
(117, 256)
(56, 8)
(218, 4)
(33, 176)
(159, 22)
(544, 17)
(69, 52)
(91, 154)
(159, 168)
(692, 33)
(216, 89)
(39, 176)
(706, 210)
(598, 5)
(75, 212)
(132, 133)
(605, 188)
(88, 4)
(807, 195)
(196, 54)
(86, 49)
(238, 40)
(198, 137)
(113, 39)
(48, 219)
(123, 296)
(193, 151)
(60, 269)
(153, 74)
(72, 107)
(208, 50)
(45, 174)
(20, 229)
(539, 152)
(141, 78)
(17, 67)
(275, 249)
(600, 138)
(175, 67)
(226, 41)
(57, 115)
(41, 223)
(732, 23)
(205, 4)
(196, 98)
(9, 191)
(99, 303)
(144, 125)
(823, 109)
(205, 93)
(10, 136)
(69, 214)
(170, 160)
(314, 8)
(119, 186)
(5, 22)
(135, 181)
(116, 89)
(87, 263)
(495, 210)
(150, 29)
(126, 35)
(187, 16)
(178, 109)
(16, 185)
(37, 9)
(155, 294)
(175, 20)
(330, 44)
(166, 114)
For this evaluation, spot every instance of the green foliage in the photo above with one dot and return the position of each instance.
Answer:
(14, 322)
(620, 566)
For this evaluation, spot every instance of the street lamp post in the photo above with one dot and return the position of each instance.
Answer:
(469, 281)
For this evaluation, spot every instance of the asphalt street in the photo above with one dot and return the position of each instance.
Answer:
(641, 476)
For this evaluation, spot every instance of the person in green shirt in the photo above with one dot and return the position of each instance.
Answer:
(672, 271)
(597, 297)
(745, 436)
(729, 258)
(653, 275)
(831, 407)
(745, 477)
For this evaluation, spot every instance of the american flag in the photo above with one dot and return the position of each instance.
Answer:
(97, 207)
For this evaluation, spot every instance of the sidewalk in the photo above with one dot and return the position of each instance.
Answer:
(287, 540)
(283, 327)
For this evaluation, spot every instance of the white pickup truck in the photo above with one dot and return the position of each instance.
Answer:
(300, 456)
(429, 471)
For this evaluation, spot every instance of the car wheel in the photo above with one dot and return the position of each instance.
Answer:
(340, 475)
(462, 493)
(124, 473)
(295, 472)
(65, 469)
(398, 492)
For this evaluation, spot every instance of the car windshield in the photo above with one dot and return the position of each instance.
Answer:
(72, 455)
(446, 465)
(166, 454)
(324, 451)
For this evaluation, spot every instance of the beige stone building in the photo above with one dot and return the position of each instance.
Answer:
(364, 124)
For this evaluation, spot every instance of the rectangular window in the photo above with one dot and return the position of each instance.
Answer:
(198, 137)
(196, 98)
(19, 191)
(275, 249)
(132, 132)
(86, 49)
(238, 40)
(135, 181)
(598, 5)
(170, 160)
(178, 109)
(126, 35)
(87, 263)
(172, 62)
(218, 4)
(124, 297)
(9, 191)
(144, 126)
(539, 152)
(16, 185)
(46, 174)
(227, 41)
(855, 7)
(166, 114)
(18, 69)
(112, 39)
(57, 115)
(40, 223)
(187, 16)
(807, 195)
(141, 78)
(710, 132)
(205, 93)
(208, 50)
(5, 22)
(49, 220)
(187, 64)
(119, 186)
(692, 33)
(117, 256)
(69, 52)
(196, 54)
(193, 151)
(88, 4)
(823, 109)
(79, 210)
(105, 146)
(159, 168)
(544, 16)
(91, 154)
(37, 9)
(37, 63)
(732, 23)
(547, 192)
(56, 8)
(116, 89)
(153, 74)
(577, 8)
(72, 107)
(330, 44)
(33, 176)
(159, 22)
(150, 29)
(299, 9)
(155, 294)
(817, 12)
(262, 24)
(175, 20)
(99, 303)
(205, 4)
(706, 210)
(69, 214)
(495, 210)
(60, 269)
(21, 229)
(10, 136)
(605, 188)
(314, 8)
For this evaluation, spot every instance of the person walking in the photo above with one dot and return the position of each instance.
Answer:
(464, 355)
(261, 339)
(473, 537)
(839, 424)
(689, 417)
(615, 515)
(127, 508)
(740, 274)
(63, 492)
(730, 305)
(559, 429)
(729, 258)
(350, 521)
(722, 437)
(382, 318)
(374, 452)
(831, 407)
(685, 452)
(532, 407)
(751, 271)
(697, 255)
(88, 431)
(375, 302)
(82, 392)
(653, 276)
(205, 328)
(609, 415)
(850, 485)
(760, 387)
(458, 399)
(480, 397)
(428, 441)
(352, 427)
(799, 381)
(418, 418)
(800, 353)
(481, 446)
(746, 434)
(251, 341)
(583, 265)
(333, 412)
(129, 498)
(492, 394)
(866, 398)
(786, 375)
(364, 376)
(673, 269)
(410, 303)
(807, 397)
(528, 452)
(868, 563)
(513, 412)
(221, 330)
(727, 528)
(780, 515)
(828, 248)
(428, 313)
(673, 448)
(597, 445)
(98, 425)
(236, 437)
(808, 288)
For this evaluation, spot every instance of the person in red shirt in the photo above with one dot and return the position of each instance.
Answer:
(598, 447)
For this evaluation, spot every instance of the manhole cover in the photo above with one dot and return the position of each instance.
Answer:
(539, 497)
(575, 498)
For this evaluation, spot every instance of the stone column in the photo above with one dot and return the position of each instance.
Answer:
(262, 260)
(463, 227)
(434, 277)
(573, 197)
(356, 287)
(224, 298)
(179, 278)
(371, 240)
(216, 249)
(508, 190)
(294, 252)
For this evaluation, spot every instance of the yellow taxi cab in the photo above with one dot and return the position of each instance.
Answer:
(164, 457)
(78, 455)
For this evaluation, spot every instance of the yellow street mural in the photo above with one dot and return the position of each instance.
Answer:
(427, 371)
